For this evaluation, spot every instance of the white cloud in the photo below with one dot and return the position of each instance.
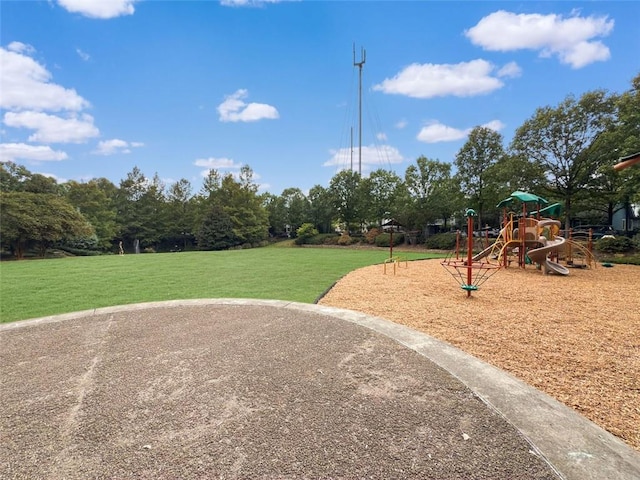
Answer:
(401, 124)
(371, 155)
(53, 129)
(58, 179)
(26, 84)
(570, 39)
(102, 9)
(13, 152)
(83, 55)
(495, 125)
(216, 163)
(436, 132)
(115, 146)
(234, 109)
(20, 47)
(381, 136)
(429, 80)
(510, 70)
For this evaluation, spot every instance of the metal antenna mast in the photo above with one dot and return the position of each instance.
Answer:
(363, 59)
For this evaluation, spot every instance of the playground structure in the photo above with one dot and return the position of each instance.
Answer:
(469, 273)
(533, 238)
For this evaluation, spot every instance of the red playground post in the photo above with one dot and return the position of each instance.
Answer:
(470, 213)
(469, 273)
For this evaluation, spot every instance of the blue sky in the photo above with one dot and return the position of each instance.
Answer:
(92, 88)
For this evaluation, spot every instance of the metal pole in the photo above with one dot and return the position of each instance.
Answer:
(469, 250)
(363, 59)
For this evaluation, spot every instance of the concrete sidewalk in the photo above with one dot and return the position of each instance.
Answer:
(270, 389)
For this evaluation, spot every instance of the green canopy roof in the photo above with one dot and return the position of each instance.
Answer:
(523, 197)
(553, 210)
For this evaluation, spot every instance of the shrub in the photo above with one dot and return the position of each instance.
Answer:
(441, 241)
(80, 243)
(383, 240)
(371, 235)
(614, 245)
(304, 233)
(325, 239)
(80, 252)
(346, 240)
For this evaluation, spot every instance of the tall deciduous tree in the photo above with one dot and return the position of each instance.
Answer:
(321, 212)
(296, 208)
(617, 190)
(276, 212)
(481, 151)
(12, 177)
(380, 193)
(559, 140)
(40, 219)
(345, 193)
(428, 183)
(95, 200)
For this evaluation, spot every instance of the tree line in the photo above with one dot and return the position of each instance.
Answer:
(563, 153)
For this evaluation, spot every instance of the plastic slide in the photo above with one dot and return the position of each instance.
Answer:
(539, 255)
(483, 253)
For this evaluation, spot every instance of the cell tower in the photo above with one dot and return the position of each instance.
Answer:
(363, 59)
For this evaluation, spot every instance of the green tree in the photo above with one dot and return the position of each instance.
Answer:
(216, 230)
(347, 202)
(321, 212)
(249, 218)
(95, 200)
(515, 172)
(141, 209)
(381, 190)
(429, 192)
(12, 177)
(37, 183)
(615, 189)
(276, 213)
(180, 212)
(558, 140)
(296, 207)
(482, 150)
(240, 202)
(29, 219)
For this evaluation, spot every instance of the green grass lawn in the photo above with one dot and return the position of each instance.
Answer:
(36, 288)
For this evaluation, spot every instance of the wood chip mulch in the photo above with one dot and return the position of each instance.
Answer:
(574, 337)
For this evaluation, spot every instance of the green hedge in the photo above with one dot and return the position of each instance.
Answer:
(383, 240)
(319, 239)
(615, 245)
(441, 241)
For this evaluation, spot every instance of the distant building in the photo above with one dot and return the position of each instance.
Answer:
(626, 219)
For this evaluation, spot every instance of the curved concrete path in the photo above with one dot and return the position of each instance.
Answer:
(270, 389)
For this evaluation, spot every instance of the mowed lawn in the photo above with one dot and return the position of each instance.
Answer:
(36, 288)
